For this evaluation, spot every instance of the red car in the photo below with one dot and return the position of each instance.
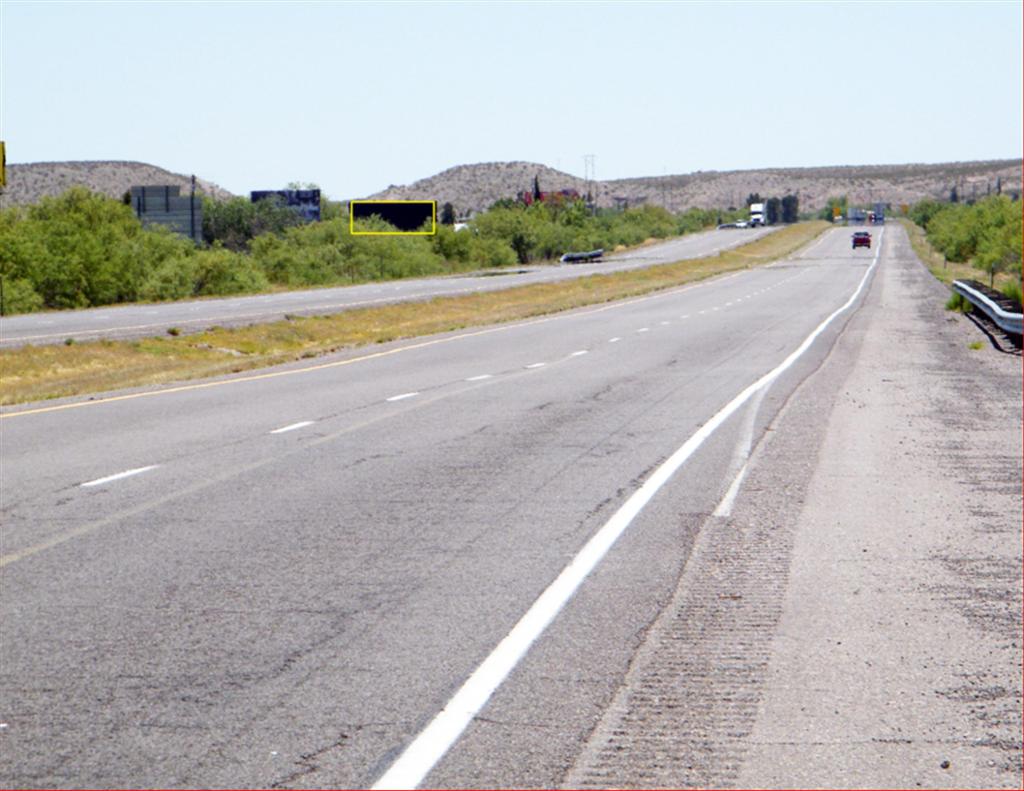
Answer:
(862, 239)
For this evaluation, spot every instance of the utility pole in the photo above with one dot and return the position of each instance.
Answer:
(588, 176)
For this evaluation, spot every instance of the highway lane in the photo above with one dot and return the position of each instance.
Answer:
(134, 321)
(258, 608)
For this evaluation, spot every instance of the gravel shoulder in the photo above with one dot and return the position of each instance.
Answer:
(856, 621)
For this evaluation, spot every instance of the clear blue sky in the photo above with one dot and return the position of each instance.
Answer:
(357, 96)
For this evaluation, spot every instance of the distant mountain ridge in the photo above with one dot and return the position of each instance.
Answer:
(472, 188)
(27, 183)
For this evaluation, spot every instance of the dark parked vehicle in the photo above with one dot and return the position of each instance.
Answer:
(862, 239)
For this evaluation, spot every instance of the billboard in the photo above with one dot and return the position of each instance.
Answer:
(163, 204)
(408, 217)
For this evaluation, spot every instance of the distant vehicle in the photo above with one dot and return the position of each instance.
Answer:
(726, 225)
(756, 214)
(741, 223)
(862, 239)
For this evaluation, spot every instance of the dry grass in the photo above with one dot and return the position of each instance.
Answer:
(35, 373)
(947, 271)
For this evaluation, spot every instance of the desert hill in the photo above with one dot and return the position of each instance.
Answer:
(472, 188)
(27, 183)
(475, 187)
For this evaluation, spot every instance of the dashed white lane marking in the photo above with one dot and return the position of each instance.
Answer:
(580, 353)
(479, 378)
(434, 741)
(663, 323)
(614, 340)
(403, 396)
(644, 329)
(292, 427)
(535, 365)
(119, 475)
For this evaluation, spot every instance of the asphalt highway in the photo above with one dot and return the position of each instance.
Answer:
(433, 561)
(135, 321)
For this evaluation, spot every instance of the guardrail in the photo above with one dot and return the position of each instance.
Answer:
(993, 304)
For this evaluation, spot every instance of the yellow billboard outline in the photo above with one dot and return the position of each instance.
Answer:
(433, 219)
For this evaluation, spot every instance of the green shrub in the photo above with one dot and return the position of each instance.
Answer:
(19, 297)
(1012, 290)
(236, 222)
(220, 271)
(988, 234)
(959, 303)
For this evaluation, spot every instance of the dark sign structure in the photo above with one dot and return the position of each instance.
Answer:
(305, 203)
(163, 204)
(406, 216)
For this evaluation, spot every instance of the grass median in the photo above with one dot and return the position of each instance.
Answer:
(35, 373)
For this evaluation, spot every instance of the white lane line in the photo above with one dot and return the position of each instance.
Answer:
(580, 353)
(614, 340)
(403, 396)
(535, 365)
(118, 476)
(292, 427)
(479, 378)
(663, 323)
(644, 329)
(436, 739)
(685, 316)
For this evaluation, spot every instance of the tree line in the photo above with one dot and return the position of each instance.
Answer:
(785, 209)
(986, 234)
(83, 249)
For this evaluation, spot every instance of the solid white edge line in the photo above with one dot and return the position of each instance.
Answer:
(402, 396)
(119, 475)
(292, 427)
(436, 739)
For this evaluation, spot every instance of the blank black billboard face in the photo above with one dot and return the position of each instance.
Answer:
(417, 217)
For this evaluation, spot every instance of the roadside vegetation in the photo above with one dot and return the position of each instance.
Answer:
(970, 241)
(40, 372)
(82, 249)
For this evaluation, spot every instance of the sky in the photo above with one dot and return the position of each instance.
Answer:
(354, 97)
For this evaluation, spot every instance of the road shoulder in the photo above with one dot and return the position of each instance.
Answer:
(856, 621)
